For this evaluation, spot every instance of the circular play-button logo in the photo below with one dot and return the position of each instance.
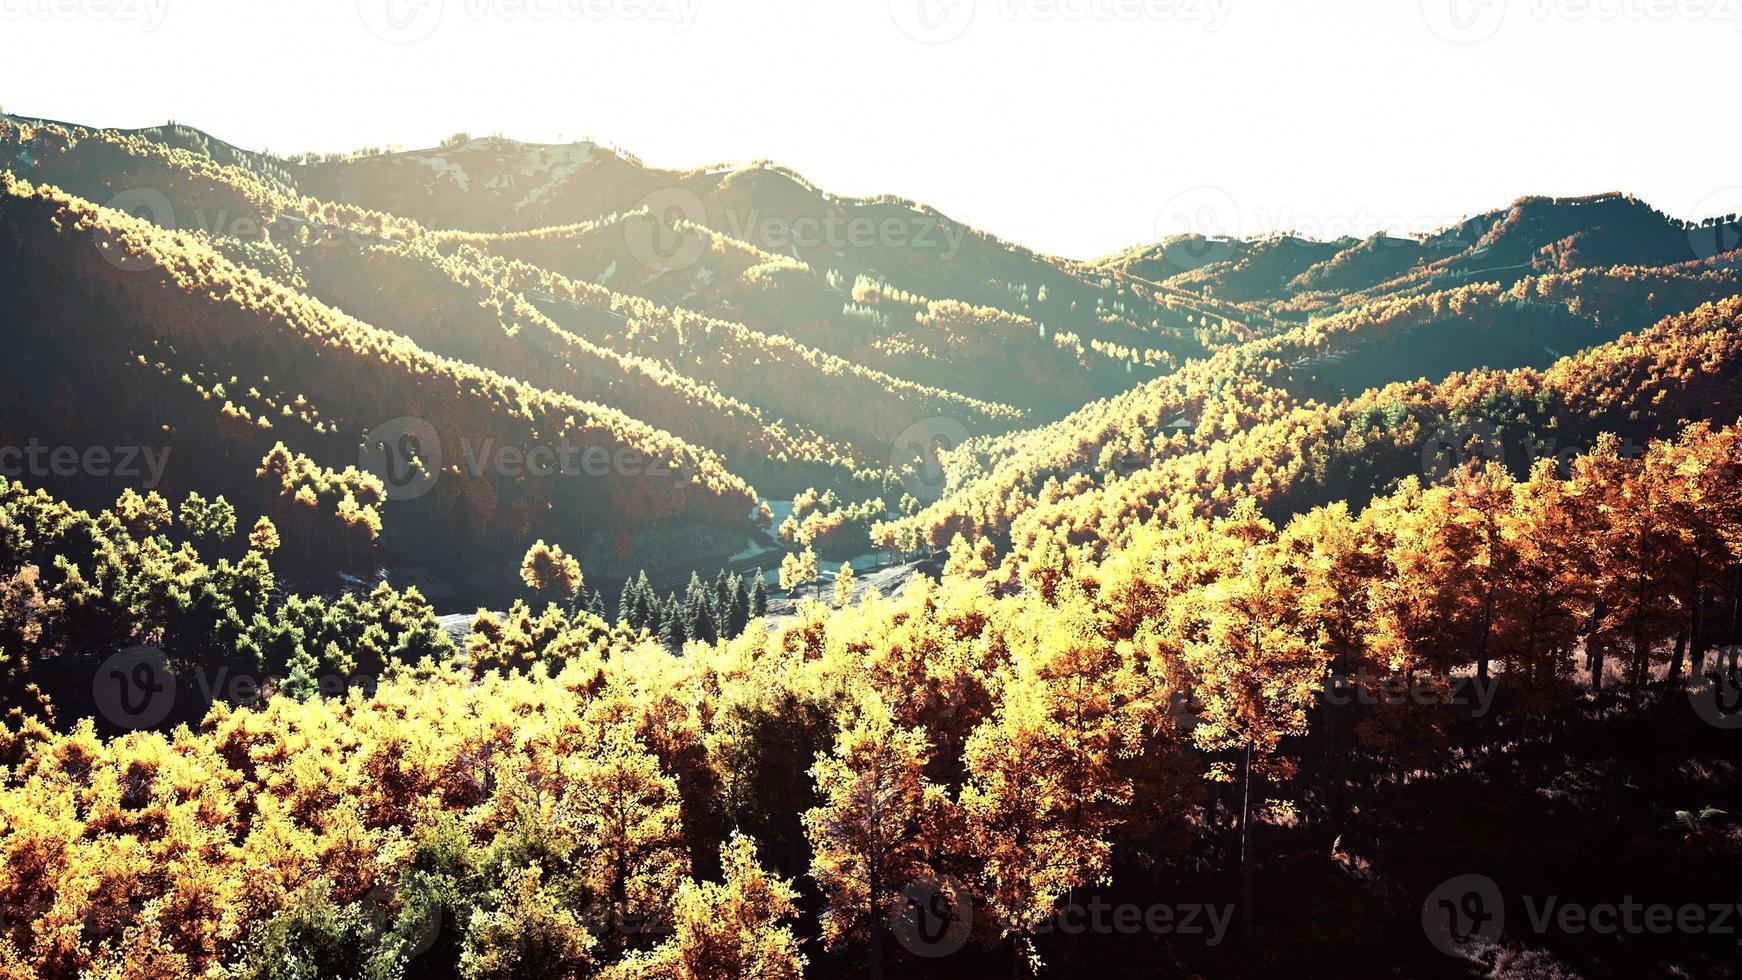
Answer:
(932, 21)
(662, 232)
(917, 454)
(149, 204)
(1449, 449)
(1464, 915)
(405, 453)
(1717, 696)
(400, 21)
(1198, 226)
(1464, 21)
(934, 919)
(134, 688)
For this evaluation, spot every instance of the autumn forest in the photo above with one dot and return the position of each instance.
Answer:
(512, 560)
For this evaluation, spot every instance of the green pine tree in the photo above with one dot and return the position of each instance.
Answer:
(737, 608)
(701, 624)
(759, 597)
(672, 632)
(304, 680)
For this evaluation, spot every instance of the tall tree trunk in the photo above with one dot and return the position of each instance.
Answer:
(1641, 654)
(1697, 637)
(875, 877)
(1335, 709)
(1696, 620)
(1487, 628)
(1245, 847)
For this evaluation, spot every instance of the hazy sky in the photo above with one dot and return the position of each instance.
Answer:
(1073, 126)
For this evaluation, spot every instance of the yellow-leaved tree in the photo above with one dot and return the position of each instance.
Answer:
(1258, 663)
(264, 537)
(626, 813)
(844, 585)
(872, 834)
(727, 930)
(797, 569)
(548, 569)
(1015, 813)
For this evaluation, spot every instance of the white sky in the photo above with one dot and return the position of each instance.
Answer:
(1074, 126)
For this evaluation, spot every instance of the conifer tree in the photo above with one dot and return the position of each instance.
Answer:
(738, 608)
(646, 604)
(722, 596)
(626, 605)
(626, 810)
(672, 631)
(528, 924)
(700, 626)
(759, 597)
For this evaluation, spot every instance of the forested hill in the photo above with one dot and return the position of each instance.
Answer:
(1291, 589)
(732, 337)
